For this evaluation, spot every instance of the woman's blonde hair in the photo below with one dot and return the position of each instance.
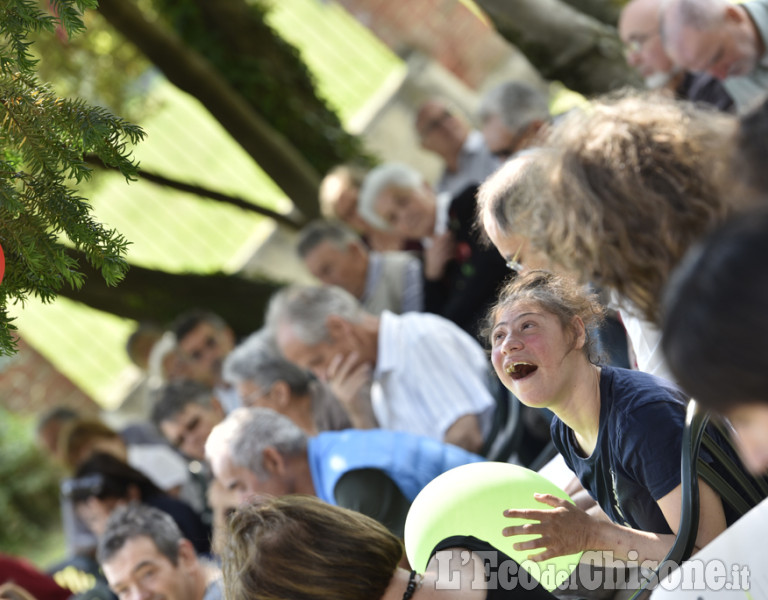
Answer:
(630, 184)
(300, 548)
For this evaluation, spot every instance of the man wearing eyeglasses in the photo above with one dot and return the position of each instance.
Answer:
(466, 157)
(639, 29)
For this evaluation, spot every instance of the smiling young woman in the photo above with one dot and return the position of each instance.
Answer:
(618, 430)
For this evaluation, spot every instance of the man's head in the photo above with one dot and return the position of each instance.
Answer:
(139, 344)
(395, 197)
(713, 36)
(82, 438)
(185, 412)
(511, 114)
(335, 255)
(50, 426)
(251, 453)
(312, 325)
(143, 555)
(262, 376)
(639, 30)
(203, 340)
(440, 130)
(338, 195)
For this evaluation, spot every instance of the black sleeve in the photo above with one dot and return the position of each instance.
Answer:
(373, 493)
(501, 571)
(701, 87)
(472, 282)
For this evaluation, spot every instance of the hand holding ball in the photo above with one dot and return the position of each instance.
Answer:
(471, 500)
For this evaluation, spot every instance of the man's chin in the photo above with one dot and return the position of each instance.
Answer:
(658, 80)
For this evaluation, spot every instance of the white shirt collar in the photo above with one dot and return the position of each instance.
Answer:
(442, 207)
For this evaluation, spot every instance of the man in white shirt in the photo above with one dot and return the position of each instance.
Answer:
(426, 375)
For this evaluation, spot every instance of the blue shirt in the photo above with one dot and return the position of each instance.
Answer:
(637, 458)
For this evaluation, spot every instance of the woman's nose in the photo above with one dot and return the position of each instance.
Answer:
(511, 343)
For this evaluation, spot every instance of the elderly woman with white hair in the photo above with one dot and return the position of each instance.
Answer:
(462, 274)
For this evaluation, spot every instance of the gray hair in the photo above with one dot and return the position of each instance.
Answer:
(247, 432)
(516, 103)
(171, 399)
(305, 310)
(258, 360)
(509, 195)
(699, 15)
(139, 520)
(379, 179)
(320, 231)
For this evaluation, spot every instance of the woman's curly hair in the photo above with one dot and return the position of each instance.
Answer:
(629, 186)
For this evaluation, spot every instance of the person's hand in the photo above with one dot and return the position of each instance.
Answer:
(437, 255)
(564, 529)
(350, 381)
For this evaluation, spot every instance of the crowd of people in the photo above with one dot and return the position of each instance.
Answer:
(565, 288)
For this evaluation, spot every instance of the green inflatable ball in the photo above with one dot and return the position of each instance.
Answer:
(471, 500)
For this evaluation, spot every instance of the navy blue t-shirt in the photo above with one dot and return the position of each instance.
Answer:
(636, 461)
(637, 458)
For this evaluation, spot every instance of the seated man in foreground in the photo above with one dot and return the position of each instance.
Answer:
(256, 451)
(426, 375)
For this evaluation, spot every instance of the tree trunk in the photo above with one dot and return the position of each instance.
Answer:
(564, 44)
(192, 73)
(605, 11)
(146, 294)
(267, 71)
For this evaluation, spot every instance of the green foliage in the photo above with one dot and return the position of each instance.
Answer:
(100, 67)
(268, 71)
(29, 496)
(19, 18)
(44, 139)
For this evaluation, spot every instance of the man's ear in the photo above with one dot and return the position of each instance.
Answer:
(273, 461)
(733, 14)
(280, 393)
(337, 327)
(228, 336)
(356, 249)
(217, 408)
(187, 554)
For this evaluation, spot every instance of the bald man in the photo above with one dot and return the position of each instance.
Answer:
(639, 29)
(727, 41)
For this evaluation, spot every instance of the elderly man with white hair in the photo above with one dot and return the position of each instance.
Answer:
(426, 375)
(256, 451)
(726, 40)
(462, 274)
(639, 30)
